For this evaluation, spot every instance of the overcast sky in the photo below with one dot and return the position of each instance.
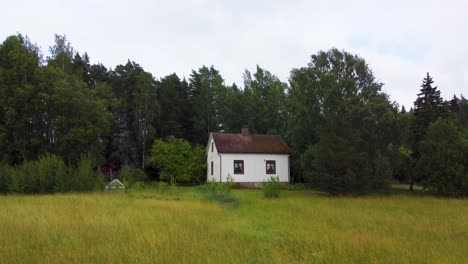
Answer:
(401, 40)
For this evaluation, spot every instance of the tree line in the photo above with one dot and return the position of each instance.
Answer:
(345, 134)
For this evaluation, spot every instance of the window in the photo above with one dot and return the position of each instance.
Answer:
(211, 146)
(270, 167)
(238, 167)
(211, 168)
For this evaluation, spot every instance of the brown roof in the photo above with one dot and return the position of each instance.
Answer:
(238, 143)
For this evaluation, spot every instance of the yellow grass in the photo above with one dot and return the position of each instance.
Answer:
(300, 227)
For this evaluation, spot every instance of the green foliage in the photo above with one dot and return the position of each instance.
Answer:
(264, 100)
(428, 107)
(7, 179)
(220, 192)
(100, 182)
(173, 98)
(84, 175)
(223, 189)
(341, 124)
(205, 86)
(346, 137)
(52, 174)
(138, 186)
(211, 186)
(272, 188)
(131, 175)
(442, 164)
(293, 186)
(173, 191)
(178, 160)
(163, 187)
(49, 175)
(382, 176)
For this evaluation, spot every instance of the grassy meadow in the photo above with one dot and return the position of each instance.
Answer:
(299, 227)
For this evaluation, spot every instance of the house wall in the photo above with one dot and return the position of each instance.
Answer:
(254, 167)
(215, 158)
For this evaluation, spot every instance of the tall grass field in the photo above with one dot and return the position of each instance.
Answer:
(299, 227)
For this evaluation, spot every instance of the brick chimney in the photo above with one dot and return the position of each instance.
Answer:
(245, 131)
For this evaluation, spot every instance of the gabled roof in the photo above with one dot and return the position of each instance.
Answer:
(241, 143)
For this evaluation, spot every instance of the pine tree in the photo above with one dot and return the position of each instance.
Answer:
(428, 107)
(454, 104)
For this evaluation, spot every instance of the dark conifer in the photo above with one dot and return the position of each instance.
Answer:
(428, 107)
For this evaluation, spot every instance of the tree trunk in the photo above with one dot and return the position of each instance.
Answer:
(411, 186)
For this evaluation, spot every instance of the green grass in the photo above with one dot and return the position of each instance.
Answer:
(299, 227)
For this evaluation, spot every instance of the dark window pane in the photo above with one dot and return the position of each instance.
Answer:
(238, 167)
(270, 167)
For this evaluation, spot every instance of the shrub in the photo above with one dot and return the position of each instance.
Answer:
(100, 182)
(163, 186)
(138, 186)
(7, 177)
(224, 188)
(293, 186)
(272, 188)
(173, 188)
(84, 176)
(49, 173)
(211, 186)
(131, 175)
(178, 159)
(220, 192)
(441, 165)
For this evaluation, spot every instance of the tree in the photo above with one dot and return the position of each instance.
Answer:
(76, 119)
(233, 111)
(205, 86)
(178, 160)
(175, 115)
(428, 107)
(342, 128)
(135, 115)
(443, 160)
(264, 97)
(20, 121)
(146, 112)
(403, 157)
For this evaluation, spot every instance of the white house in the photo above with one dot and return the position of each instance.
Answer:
(248, 159)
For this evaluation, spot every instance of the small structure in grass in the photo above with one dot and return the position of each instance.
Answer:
(115, 185)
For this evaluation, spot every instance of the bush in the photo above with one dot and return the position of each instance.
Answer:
(173, 188)
(293, 186)
(84, 176)
(131, 175)
(224, 188)
(138, 186)
(272, 188)
(441, 166)
(220, 192)
(163, 187)
(46, 175)
(177, 159)
(7, 177)
(100, 182)
(49, 174)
